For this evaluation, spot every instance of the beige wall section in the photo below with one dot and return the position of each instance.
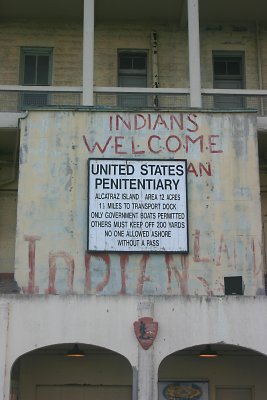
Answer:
(66, 39)
(172, 51)
(94, 371)
(229, 38)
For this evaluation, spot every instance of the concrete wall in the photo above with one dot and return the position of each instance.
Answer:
(28, 323)
(223, 202)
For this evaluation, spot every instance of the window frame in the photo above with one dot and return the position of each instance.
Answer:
(227, 56)
(132, 100)
(132, 72)
(36, 51)
(39, 99)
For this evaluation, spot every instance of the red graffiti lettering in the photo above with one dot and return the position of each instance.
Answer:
(223, 248)
(88, 259)
(191, 169)
(31, 289)
(134, 151)
(256, 270)
(192, 118)
(212, 144)
(159, 121)
(124, 260)
(179, 122)
(96, 145)
(206, 169)
(118, 145)
(206, 285)
(125, 123)
(196, 255)
(150, 144)
(52, 260)
(87, 288)
(119, 118)
(142, 278)
(137, 118)
(200, 169)
(177, 146)
(181, 277)
(153, 121)
(189, 139)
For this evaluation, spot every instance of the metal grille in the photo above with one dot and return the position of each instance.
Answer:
(134, 101)
(11, 101)
(224, 102)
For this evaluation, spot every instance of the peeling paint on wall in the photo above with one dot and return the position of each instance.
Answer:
(223, 202)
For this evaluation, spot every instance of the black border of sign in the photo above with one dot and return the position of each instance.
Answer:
(137, 251)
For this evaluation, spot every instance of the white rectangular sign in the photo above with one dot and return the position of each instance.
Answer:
(137, 205)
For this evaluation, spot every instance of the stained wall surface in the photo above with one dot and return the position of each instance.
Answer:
(223, 202)
(183, 321)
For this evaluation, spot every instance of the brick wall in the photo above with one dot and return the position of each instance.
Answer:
(263, 38)
(217, 37)
(66, 40)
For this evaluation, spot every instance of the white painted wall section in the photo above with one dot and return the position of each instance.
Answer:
(40, 321)
(194, 53)
(88, 52)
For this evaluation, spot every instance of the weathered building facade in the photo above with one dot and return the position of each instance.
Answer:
(132, 199)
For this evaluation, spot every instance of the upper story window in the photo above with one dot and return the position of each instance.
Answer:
(228, 73)
(132, 72)
(36, 69)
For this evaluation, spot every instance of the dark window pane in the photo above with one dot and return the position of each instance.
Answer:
(125, 62)
(219, 67)
(132, 73)
(234, 67)
(29, 70)
(42, 70)
(132, 61)
(228, 75)
(139, 62)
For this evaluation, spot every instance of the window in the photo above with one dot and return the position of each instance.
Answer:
(228, 73)
(36, 66)
(132, 72)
